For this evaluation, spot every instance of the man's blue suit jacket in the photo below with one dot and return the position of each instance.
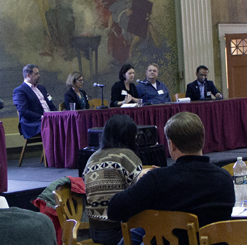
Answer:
(30, 109)
(193, 90)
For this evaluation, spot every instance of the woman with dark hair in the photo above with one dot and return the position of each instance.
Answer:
(124, 91)
(75, 94)
(111, 169)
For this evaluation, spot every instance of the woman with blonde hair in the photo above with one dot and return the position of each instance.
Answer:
(75, 94)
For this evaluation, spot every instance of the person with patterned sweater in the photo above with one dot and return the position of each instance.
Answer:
(111, 169)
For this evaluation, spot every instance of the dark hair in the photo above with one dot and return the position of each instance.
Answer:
(201, 67)
(123, 70)
(28, 69)
(119, 132)
(72, 78)
(186, 131)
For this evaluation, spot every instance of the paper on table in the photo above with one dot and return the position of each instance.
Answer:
(184, 100)
(129, 105)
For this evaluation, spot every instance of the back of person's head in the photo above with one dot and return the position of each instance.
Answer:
(119, 132)
(72, 78)
(201, 67)
(28, 69)
(123, 70)
(186, 131)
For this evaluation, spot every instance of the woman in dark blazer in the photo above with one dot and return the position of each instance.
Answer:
(75, 94)
(124, 91)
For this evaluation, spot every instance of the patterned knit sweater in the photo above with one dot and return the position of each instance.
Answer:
(108, 172)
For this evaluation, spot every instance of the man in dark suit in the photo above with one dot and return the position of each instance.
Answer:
(201, 89)
(31, 101)
(1, 104)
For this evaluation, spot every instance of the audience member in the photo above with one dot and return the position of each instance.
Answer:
(112, 168)
(22, 227)
(124, 91)
(1, 104)
(75, 94)
(201, 88)
(192, 184)
(151, 90)
(31, 100)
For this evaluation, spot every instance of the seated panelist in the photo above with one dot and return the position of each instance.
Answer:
(31, 100)
(75, 94)
(1, 104)
(201, 89)
(150, 89)
(124, 91)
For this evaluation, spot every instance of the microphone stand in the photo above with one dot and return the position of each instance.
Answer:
(102, 101)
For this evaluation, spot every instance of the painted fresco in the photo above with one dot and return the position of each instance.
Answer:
(93, 36)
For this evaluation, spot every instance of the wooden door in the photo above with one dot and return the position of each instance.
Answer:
(236, 46)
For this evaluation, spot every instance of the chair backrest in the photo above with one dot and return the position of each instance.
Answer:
(93, 103)
(229, 167)
(69, 210)
(178, 96)
(69, 204)
(69, 236)
(231, 232)
(61, 106)
(161, 224)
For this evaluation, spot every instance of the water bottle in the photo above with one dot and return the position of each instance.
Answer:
(240, 182)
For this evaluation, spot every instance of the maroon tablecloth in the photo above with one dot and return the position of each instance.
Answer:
(3, 161)
(64, 133)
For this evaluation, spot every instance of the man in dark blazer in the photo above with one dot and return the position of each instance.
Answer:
(201, 89)
(1, 104)
(31, 101)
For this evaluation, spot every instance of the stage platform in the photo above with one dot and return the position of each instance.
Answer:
(25, 183)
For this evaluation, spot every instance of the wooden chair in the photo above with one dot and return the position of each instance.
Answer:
(231, 232)
(229, 167)
(93, 103)
(34, 139)
(69, 237)
(178, 96)
(161, 224)
(61, 106)
(70, 206)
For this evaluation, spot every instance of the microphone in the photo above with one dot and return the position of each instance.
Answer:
(139, 81)
(98, 85)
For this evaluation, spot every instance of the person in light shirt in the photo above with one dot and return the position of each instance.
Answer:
(31, 101)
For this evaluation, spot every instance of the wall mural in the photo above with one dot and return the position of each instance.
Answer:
(95, 37)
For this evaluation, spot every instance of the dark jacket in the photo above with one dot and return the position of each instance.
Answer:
(30, 109)
(193, 90)
(71, 97)
(116, 92)
(192, 184)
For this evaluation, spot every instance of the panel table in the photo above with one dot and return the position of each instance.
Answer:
(65, 132)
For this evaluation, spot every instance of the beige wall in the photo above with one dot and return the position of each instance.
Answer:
(225, 11)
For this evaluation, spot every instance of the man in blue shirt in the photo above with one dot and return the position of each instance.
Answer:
(201, 88)
(151, 90)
